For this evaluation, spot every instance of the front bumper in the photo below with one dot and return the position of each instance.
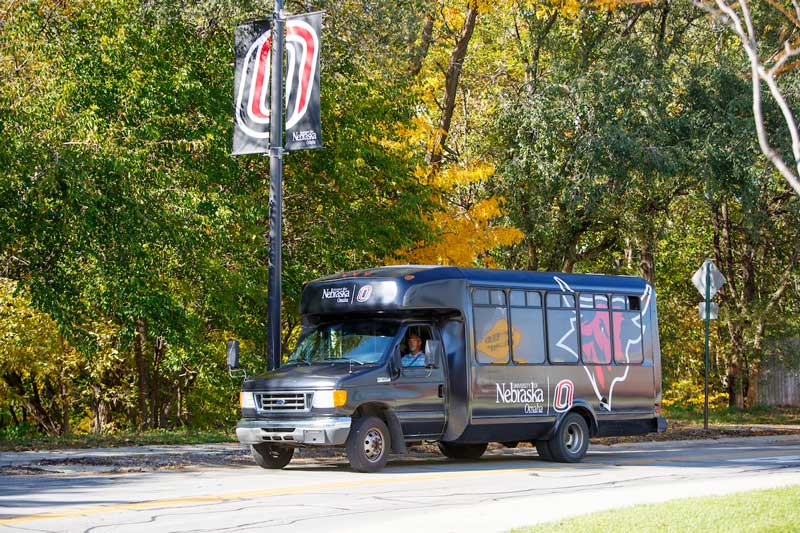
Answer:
(325, 431)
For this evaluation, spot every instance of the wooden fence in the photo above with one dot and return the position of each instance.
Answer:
(779, 379)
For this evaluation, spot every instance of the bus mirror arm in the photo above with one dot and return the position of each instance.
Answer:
(395, 363)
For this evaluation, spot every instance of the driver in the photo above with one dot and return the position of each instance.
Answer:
(415, 355)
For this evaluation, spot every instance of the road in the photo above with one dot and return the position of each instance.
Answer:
(505, 489)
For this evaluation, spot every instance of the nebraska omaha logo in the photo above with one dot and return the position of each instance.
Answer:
(252, 95)
(340, 294)
(302, 58)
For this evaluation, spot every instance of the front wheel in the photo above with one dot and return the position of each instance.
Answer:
(571, 440)
(463, 451)
(368, 444)
(272, 457)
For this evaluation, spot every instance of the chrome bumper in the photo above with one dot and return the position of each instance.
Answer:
(327, 431)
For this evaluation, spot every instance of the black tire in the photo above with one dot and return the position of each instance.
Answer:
(571, 440)
(463, 451)
(272, 457)
(368, 444)
(543, 449)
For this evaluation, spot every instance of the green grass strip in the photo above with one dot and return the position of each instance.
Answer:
(763, 510)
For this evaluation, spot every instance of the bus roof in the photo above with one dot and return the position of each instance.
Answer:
(418, 274)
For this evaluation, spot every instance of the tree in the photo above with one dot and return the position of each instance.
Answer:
(768, 61)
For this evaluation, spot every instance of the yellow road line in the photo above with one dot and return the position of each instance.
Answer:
(243, 495)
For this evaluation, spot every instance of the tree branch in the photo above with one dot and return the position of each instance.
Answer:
(758, 73)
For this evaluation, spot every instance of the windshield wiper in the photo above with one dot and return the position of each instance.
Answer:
(297, 361)
(347, 359)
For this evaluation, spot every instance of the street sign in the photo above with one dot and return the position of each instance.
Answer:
(716, 277)
(708, 280)
(713, 310)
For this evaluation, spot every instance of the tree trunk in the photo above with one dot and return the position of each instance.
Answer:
(452, 77)
(156, 417)
(419, 53)
(143, 389)
(647, 262)
(533, 256)
(64, 398)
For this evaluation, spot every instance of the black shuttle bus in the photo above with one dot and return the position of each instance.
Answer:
(462, 357)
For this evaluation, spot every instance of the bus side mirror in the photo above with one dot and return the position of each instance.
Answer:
(433, 353)
(233, 355)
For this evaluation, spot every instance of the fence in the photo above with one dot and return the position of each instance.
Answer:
(779, 378)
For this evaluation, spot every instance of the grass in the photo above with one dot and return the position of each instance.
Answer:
(727, 415)
(115, 440)
(764, 510)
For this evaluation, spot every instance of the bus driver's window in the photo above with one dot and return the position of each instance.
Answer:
(414, 343)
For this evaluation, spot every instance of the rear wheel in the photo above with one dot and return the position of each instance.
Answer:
(462, 451)
(571, 440)
(543, 448)
(272, 457)
(368, 444)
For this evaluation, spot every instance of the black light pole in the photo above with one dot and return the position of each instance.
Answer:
(275, 188)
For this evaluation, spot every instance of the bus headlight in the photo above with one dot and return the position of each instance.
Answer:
(246, 400)
(325, 399)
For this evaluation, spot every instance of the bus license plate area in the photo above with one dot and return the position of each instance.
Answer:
(314, 436)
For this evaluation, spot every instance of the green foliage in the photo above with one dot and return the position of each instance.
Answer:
(132, 245)
(138, 240)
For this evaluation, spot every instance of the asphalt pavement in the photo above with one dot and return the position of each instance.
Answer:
(505, 489)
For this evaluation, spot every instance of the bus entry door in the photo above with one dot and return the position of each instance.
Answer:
(420, 390)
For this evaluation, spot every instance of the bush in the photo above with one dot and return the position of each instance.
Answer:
(686, 394)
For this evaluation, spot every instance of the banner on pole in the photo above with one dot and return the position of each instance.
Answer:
(303, 124)
(251, 88)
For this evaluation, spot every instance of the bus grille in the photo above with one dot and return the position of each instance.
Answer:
(283, 402)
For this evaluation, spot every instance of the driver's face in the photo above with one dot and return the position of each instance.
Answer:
(414, 343)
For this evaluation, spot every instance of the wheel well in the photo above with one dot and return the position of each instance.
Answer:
(588, 416)
(385, 413)
(372, 409)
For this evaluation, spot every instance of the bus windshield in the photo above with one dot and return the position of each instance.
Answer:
(362, 342)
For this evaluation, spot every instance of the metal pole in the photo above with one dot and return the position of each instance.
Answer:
(708, 313)
(275, 188)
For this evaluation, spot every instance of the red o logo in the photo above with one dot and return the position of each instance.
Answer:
(364, 293)
(562, 397)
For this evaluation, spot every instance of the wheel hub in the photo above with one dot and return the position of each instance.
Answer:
(574, 438)
(373, 445)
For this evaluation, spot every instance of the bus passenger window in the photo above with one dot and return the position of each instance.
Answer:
(480, 297)
(527, 335)
(562, 330)
(491, 335)
(595, 332)
(627, 333)
(534, 299)
(555, 299)
(498, 297)
(517, 299)
(491, 326)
